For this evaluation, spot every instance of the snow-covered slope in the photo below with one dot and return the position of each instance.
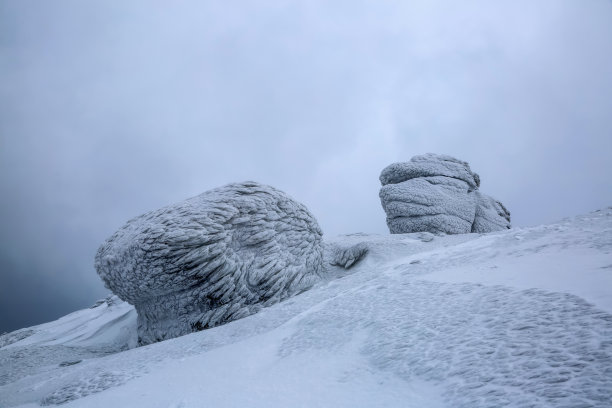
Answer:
(519, 318)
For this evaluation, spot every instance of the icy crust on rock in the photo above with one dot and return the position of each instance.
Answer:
(213, 258)
(438, 194)
(433, 204)
(491, 215)
(429, 165)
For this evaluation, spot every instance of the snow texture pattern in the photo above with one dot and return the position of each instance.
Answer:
(545, 349)
(439, 194)
(214, 258)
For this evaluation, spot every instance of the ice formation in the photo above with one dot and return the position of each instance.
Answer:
(439, 194)
(215, 258)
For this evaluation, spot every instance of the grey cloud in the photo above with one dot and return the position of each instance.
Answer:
(110, 109)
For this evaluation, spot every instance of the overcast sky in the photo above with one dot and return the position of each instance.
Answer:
(109, 109)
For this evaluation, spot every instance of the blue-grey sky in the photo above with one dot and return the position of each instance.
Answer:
(112, 108)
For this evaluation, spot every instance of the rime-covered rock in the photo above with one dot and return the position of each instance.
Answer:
(438, 194)
(213, 258)
(345, 257)
(491, 215)
(430, 165)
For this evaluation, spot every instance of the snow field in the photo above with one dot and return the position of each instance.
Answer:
(519, 318)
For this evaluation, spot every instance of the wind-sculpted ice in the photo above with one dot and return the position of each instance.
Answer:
(214, 258)
(438, 193)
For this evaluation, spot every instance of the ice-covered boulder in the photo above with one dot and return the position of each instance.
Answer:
(439, 194)
(213, 258)
(491, 215)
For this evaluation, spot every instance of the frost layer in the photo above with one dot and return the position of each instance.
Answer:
(211, 259)
(438, 193)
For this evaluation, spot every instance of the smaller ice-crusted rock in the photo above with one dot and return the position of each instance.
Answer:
(438, 194)
(434, 204)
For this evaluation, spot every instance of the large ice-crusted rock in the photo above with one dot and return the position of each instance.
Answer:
(214, 258)
(439, 194)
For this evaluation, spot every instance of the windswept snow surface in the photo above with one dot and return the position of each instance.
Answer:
(518, 318)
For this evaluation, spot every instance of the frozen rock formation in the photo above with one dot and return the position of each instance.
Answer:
(439, 194)
(491, 215)
(214, 258)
